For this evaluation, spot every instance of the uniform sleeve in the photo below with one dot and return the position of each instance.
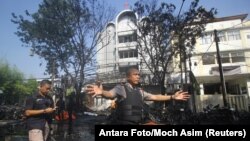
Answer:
(145, 94)
(118, 91)
(29, 103)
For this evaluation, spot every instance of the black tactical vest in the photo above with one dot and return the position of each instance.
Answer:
(130, 109)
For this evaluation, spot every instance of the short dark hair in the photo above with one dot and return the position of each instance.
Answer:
(45, 81)
(130, 70)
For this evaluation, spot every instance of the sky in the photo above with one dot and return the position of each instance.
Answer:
(13, 51)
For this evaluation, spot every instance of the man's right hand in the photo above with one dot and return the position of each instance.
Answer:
(49, 110)
(94, 90)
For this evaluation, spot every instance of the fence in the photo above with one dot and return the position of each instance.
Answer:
(238, 102)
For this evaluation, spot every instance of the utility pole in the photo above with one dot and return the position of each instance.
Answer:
(224, 92)
(192, 84)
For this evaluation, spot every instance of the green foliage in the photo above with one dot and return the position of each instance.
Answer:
(31, 86)
(13, 85)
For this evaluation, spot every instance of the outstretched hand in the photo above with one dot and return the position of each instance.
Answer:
(94, 90)
(181, 95)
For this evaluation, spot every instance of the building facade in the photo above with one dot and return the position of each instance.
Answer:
(117, 51)
(234, 49)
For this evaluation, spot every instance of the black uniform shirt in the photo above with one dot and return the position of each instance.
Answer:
(37, 102)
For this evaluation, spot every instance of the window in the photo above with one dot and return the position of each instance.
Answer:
(127, 38)
(248, 36)
(208, 59)
(225, 58)
(128, 54)
(238, 57)
(222, 36)
(233, 35)
(206, 39)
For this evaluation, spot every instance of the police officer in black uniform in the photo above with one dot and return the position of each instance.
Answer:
(37, 110)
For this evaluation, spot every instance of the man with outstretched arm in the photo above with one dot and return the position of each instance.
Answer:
(130, 98)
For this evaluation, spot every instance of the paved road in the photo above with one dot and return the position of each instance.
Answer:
(82, 130)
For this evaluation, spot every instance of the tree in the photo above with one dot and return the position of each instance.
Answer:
(13, 85)
(163, 34)
(64, 33)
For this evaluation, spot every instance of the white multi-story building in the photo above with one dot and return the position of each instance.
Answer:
(234, 48)
(117, 51)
